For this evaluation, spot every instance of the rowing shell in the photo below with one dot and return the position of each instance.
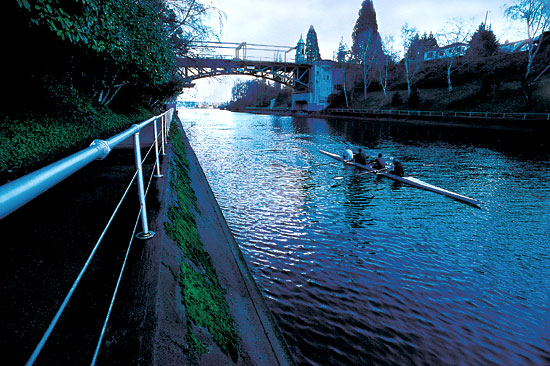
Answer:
(407, 180)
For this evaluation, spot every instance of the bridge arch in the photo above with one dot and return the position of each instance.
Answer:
(293, 75)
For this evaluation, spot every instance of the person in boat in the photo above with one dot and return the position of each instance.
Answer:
(348, 154)
(360, 157)
(397, 168)
(379, 162)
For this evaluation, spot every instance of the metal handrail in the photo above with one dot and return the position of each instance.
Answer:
(19, 192)
(67, 298)
(247, 58)
(510, 115)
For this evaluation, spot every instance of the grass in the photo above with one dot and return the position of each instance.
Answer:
(203, 296)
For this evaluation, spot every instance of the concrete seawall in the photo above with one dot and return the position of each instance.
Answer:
(259, 337)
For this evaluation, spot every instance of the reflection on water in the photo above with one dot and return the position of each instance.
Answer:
(361, 270)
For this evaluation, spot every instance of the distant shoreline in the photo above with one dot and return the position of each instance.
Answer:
(534, 125)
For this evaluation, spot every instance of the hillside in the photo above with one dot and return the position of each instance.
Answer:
(479, 84)
(465, 97)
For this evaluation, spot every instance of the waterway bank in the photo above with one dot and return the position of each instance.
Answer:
(259, 340)
(473, 120)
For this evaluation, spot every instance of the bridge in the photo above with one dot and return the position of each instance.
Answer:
(311, 82)
(264, 61)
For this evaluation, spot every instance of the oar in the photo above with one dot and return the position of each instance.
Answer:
(367, 172)
(330, 162)
(374, 171)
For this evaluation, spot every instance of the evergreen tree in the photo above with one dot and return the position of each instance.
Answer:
(366, 28)
(413, 102)
(342, 60)
(312, 47)
(396, 100)
(342, 52)
(483, 43)
(367, 44)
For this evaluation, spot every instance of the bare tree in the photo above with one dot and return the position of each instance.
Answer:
(342, 57)
(368, 52)
(407, 35)
(192, 21)
(385, 62)
(454, 35)
(535, 14)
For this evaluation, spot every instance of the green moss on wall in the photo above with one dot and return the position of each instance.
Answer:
(203, 296)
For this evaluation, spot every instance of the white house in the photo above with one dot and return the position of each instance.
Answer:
(454, 49)
(517, 46)
(459, 49)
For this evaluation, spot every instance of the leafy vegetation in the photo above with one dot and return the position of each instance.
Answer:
(203, 297)
(77, 70)
(29, 140)
(100, 48)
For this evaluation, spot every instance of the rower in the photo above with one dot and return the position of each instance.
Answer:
(360, 157)
(379, 163)
(397, 168)
(348, 154)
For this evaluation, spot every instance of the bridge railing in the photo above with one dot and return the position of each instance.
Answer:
(482, 115)
(19, 192)
(247, 58)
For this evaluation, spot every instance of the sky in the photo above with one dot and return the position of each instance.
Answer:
(281, 22)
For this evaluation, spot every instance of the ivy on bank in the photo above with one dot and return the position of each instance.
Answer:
(31, 140)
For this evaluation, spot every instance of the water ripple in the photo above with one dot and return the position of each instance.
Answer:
(357, 270)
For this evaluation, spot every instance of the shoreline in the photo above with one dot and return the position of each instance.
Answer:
(508, 124)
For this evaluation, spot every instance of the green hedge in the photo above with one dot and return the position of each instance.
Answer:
(31, 140)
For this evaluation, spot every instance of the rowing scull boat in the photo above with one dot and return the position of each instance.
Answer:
(407, 180)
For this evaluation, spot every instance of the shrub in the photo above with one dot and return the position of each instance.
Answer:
(413, 102)
(396, 100)
(32, 139)
(489, 84)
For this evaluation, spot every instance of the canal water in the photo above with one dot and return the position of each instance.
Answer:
(359, 270)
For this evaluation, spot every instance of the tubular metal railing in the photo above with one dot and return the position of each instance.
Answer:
(252, 58)
(16, 194)
(524, 116)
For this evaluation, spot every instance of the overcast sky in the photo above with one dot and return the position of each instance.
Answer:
(281, 22)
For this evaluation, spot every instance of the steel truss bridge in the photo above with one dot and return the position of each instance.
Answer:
(264, 61)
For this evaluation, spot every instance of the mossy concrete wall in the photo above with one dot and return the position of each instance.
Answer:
(259, 339)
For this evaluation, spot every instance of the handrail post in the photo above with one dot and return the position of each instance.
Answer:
(168, 122)
(158, 175)
(145, 234)
(166, 126)
(163, 135)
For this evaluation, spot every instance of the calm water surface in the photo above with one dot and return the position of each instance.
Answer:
(359, 270)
